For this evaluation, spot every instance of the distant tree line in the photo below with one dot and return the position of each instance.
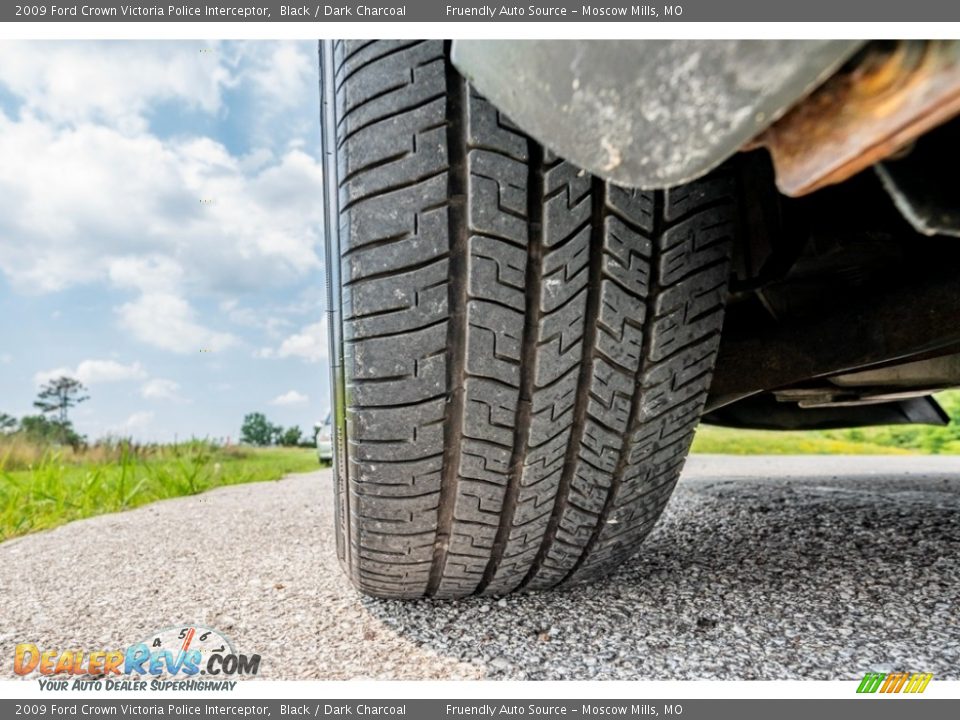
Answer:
(57, 397)
(257, 430)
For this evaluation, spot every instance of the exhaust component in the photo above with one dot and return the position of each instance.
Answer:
(880, 102)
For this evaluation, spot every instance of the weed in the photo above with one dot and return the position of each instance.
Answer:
(44, 486)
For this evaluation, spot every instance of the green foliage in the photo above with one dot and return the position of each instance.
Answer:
(290, 437)
(257, 430)
(727, 441)
(930, 439)
(59, 395)
(62, 484)
(8, 423)
(39, 429)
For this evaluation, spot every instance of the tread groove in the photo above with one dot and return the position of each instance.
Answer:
(583, 381)
(617, 476)
(456, 328)
(521, 426)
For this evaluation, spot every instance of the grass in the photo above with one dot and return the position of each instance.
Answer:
(727, 441)
(42, 487)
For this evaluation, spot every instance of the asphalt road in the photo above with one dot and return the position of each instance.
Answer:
(772, 568)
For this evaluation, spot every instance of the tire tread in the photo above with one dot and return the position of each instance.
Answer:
(526, 348)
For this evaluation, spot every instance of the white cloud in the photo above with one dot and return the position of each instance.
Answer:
(290, 398)
(93, 372)
(264, 319)
(107, 151)
(89, 204)
(309, 344)
(150, 273)
(167, 321)
(160, 316)
(6, 358)
(160, 389)
(113, 83)
(279, 75)
(281, 72)
(136, 422)
(89, 195)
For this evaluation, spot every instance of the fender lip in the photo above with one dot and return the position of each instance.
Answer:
(647, 113)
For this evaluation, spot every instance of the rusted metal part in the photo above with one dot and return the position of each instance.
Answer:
(879, 103)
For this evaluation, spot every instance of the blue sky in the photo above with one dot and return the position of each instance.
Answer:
(161, 233)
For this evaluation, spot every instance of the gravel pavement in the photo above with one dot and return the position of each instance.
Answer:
(762, 567)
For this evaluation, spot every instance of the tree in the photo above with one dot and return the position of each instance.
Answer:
(59, 396)
(42, 430)
(257, 430)
(8, 423)
(291, 436)
(276, 434)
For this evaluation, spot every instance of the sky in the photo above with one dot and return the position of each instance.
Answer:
(161, 232)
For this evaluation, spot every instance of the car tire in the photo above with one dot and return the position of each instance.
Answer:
(520, 351)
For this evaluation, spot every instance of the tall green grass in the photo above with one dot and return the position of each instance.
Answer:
(44, 486)
(727, 441)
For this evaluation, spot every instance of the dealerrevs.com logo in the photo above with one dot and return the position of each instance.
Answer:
(898, 682)
(191, 657)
